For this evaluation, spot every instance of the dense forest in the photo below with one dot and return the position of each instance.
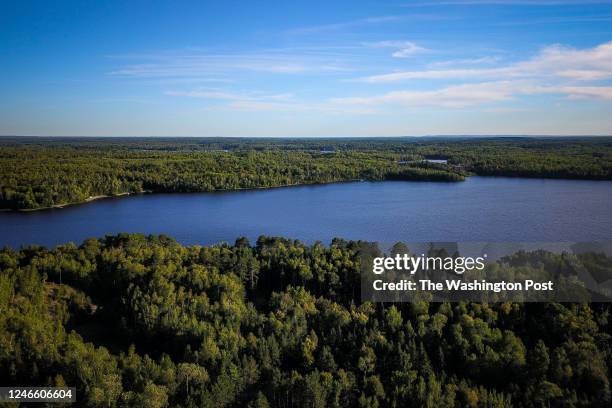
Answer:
(46, 172)
(143, 321)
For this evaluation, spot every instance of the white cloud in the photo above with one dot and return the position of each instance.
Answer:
(265, 102)
(215, 67)
(455, 96)
(584, 92)
(236, 96)
(323, 108)
(429, 74)
(556, 70)
(556, 60)
(466, 61)
(505, 2)
(261, 106)
(344, 24)
(504, 109)
(209, 94)
(404, 49)
(246, 101)
(471, 94)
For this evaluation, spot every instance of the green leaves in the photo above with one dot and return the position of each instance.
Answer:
(144, 321)
(55, 174)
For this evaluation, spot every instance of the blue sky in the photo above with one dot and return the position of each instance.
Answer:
(343, 68)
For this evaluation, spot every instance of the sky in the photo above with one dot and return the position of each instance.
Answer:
(306, 68)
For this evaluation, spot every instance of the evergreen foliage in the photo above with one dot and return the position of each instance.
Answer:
(143, 321)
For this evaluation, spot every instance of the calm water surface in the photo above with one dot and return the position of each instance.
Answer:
(480, 209)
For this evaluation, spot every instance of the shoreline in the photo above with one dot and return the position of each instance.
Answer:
(105, 196)
(87, 200)
(124, 194)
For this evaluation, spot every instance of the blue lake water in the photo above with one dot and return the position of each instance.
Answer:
(492, 209)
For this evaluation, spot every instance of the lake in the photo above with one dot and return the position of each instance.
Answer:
(493, 209)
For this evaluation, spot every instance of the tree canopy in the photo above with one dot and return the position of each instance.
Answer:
(133, 320)
(41, 173)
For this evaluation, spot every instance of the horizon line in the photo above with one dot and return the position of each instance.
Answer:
(464, 135)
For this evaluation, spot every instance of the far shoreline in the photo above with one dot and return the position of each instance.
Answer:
(87, 200)
(91, 199)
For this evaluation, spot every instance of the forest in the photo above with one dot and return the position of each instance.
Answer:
(37, 173)
(133, 320)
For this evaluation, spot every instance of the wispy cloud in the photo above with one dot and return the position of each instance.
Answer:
(558, 20)
(583, 92)
(471, 94)
(344, 24)
(451, 97)
(236, 96)
(215, 67)
(485, 81)
(254, 101)
(558, 61)
(245, 101)
(556, 70)
(466, 61)
(434, 3)
(403, 49)
(456, 96)
(369, 21)
(505, 109)
(322, 108)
